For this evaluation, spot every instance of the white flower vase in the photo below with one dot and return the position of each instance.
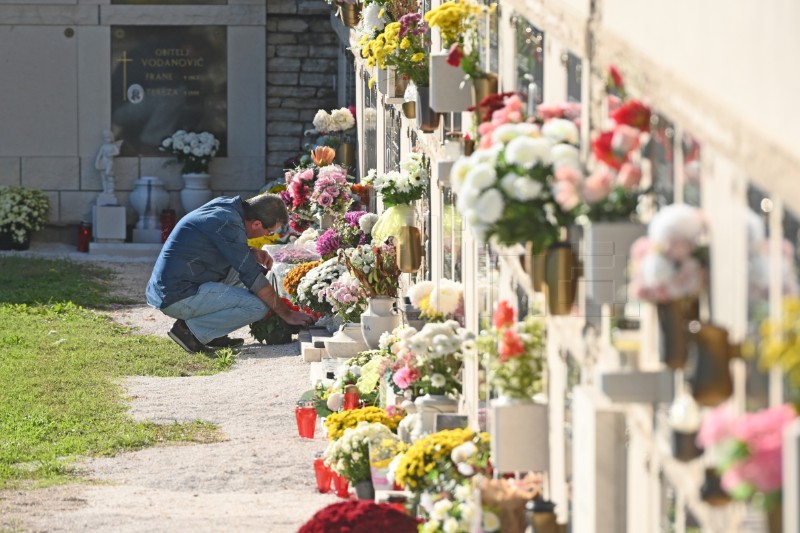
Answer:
(380, 317)
(347, 342)
(519, 435)
(429, 406)
(148, 198)
(196, 190)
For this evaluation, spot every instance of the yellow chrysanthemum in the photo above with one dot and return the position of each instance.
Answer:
(418, 57)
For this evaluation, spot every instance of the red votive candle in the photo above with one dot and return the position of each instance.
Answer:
(340, 485)
(323, 474)
(306, 415)
(351, 398)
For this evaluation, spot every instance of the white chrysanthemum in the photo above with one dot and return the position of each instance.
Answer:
(462, 493)
(419, 291)
(489, 521)
(438, 380)
(463, 452)
(560, 130)
(366, 222)
(526, 188)
(527, 152)
(371, 19)
(565, 154)
(342, 119)
(676, 221)
(459, 172)
(451, 525)
(446, 298)
(489, 207)
(481, 176)
(487, 155)
(505, 133)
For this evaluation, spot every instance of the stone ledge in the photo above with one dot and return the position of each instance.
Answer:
(142, 251)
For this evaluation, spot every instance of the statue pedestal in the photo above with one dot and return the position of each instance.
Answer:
(108, 223)
(107, 198)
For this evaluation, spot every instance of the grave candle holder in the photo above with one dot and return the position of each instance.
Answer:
(306, 415)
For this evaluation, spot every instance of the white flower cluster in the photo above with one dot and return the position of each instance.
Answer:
(451, 514)
(486, 180)
(337, 120)
(439, 298)
(22, 211)
(194, 150)
(311, 289)
(401, 186)
(352, 447)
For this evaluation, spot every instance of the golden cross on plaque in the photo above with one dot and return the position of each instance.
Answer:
(124, 60)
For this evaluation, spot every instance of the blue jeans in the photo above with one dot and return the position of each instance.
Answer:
(218, 308)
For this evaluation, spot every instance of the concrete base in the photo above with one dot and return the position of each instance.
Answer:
(150, 236)
(108, 223)
(125, 249)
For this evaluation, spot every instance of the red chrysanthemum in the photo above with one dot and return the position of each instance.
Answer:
(360, 516)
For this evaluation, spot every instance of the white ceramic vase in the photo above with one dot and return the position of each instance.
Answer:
(347, 342)
(380, 316)
(196, 190)
(519, 435)
(148, 198)
(429, 406)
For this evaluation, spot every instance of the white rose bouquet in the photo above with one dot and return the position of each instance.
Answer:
(348, 455)
(339, 125)
(511, 190)
(22, 211)
(311, 291)
(194, 150)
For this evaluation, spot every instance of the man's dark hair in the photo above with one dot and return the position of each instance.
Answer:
(268, 208)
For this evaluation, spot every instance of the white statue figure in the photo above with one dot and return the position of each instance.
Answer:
(105, 161)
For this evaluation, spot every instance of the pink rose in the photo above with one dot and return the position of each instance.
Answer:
(513, 102)
(597, 186)
(306, 175)
(566, 195)
(629, 176)
(568, 174)
(325, 200)
(717, 426)
(625, 139)
(332, 190)
(548, 111)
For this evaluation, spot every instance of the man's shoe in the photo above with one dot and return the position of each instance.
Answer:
(225, 342)
(181, 334)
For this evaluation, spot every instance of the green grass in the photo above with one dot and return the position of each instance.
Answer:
(61, 365)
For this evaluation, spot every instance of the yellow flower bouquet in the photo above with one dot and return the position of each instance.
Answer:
(458, 22)
(337, 423)
(441, 459)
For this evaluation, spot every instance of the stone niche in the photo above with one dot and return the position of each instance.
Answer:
(167, 78)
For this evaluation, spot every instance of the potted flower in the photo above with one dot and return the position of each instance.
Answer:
(375, 267)
(519, 187)
(348, 455)
(458, 24)
(668, 271)
(747, 452)
(338, 129)
(22, 211)
(194, 151)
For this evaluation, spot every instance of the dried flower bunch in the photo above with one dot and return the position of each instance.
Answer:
(375, 266)
(194, 150)
(22, 211)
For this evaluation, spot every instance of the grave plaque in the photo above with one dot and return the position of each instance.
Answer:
(167, 78)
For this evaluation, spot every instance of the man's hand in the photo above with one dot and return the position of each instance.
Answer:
(263, 258)
(298, 318)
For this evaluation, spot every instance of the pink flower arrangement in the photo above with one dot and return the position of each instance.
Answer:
(665, 263)
(748, 450)
(331, 192)
(510, 113)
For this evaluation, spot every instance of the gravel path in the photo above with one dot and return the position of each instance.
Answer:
(261, 479)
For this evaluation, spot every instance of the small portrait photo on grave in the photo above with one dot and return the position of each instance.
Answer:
(165, 79)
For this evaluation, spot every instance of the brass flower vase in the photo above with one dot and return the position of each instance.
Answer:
(775, 519)
(534, 265)
(409, 249)
(561, 278)
(711, 490)
(427, 118)
(709, 363)
(541, 515)
(346, 155)
(469, 146)
(483, 87)
(350, 14)
(673, 318)
(410, 110)
(684, 446)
